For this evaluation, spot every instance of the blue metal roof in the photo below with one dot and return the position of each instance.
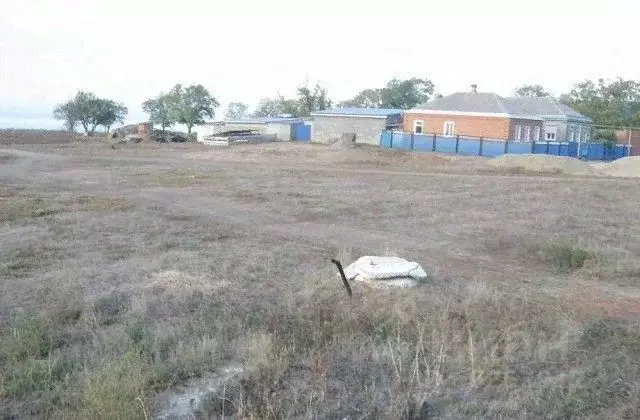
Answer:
(361, 112)
(266, 120)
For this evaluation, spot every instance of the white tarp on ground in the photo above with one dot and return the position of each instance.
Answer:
(385, 272)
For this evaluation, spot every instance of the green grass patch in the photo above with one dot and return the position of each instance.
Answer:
(20, 261)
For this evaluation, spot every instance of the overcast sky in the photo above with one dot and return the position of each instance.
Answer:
(244, 50)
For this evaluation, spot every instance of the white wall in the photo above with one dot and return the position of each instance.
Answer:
(283, 131)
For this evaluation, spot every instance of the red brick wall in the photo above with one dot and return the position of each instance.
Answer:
(488, 127)
(623, 137)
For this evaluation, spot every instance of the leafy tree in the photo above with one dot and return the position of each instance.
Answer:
(236, 111)
(158, 110)
(90, 111)
(406, 94)
(368, 98)
(190, 105)
(396, 93)
(312, 100)
(67, 113)
(613, 104)
(268, 107)
(532, 91)
(110, 112)
(306, 102)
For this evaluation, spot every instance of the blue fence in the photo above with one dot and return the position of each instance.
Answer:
(301, 132)
(474, 146)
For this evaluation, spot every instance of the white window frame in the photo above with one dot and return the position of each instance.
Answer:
(449, 129)
(586, 135)
(550, 133)
(571, 134)
(418, 124)
(527, 133)
(518, 133)
(536, 133)
(579, 133)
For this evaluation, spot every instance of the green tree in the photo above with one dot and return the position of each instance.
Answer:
(110, 112)
(305, 102)
(368, 98)
(268, 107)
(397, 93)
(90, 111)
(613, 104)
(532, 91)
(67, 113)
(190, 105)
(236, 111)
(312, 100)
(158, 110)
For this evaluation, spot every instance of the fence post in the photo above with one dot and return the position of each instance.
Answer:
(533, 147)
(457, 142)
(480, 148)
(433, 148)
(411, 141)
(391, 141)
(604, 152)
(547, 148)
(506, 146)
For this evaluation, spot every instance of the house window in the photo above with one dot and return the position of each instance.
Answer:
(536, 133)
(449, 128)
(571, 134)
(579, 133)
(527, 133)
(418, 126)
(550, 133)
(585, 134)
(518, 132)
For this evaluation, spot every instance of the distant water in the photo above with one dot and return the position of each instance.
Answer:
(36, 123)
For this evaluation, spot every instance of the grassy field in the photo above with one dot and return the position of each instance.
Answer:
(139, 280)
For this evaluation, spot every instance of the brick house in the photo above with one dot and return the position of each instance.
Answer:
(487, 115)
(630, 136)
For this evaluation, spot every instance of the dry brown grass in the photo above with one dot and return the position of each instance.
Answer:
(127, 273)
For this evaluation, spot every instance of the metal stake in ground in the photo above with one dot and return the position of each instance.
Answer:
(344, 278)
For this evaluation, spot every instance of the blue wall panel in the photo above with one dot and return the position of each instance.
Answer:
(445, 144)
(492, 148)
(423, 143)
(469, 147)
(519, 148)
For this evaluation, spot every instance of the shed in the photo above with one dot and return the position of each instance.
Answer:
(282, 127)
(366, 123)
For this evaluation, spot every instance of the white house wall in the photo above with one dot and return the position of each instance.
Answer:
(283, 131)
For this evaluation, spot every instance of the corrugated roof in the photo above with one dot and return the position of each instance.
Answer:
(467, 102)
(543, 106)
(484, 102)
(361, 112)
(264, 120)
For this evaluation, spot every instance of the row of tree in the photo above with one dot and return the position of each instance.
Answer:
(609, 104)
(185, 105)
(91, 112)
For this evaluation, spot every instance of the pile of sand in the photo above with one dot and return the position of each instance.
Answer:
(628, 167)
(177, 283)
(543, 163)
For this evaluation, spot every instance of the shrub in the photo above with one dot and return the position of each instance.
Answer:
(107, 308)
(566, 257)
(115, 390)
